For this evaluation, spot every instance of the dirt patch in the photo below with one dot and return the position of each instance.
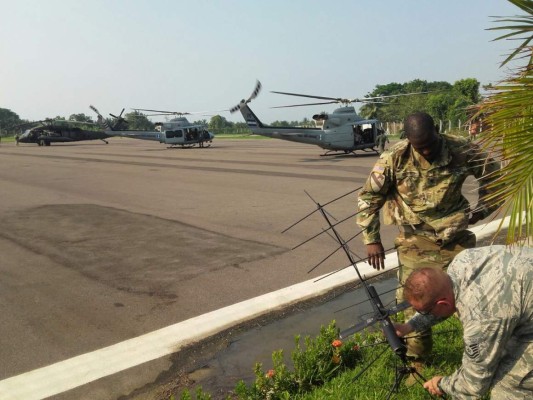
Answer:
(127, 251)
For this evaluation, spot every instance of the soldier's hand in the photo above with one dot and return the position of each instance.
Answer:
(476, 216)
(376, 255)
(432, 386)
(403, 329)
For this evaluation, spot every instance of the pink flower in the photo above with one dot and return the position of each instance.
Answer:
(270, 373)
(355, 347)
(337, 343)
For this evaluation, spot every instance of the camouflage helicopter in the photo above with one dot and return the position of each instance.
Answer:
(343, 130)
(50, 131)
(176, 132)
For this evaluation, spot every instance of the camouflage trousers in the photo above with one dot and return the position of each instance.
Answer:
(418, 251)
(514, 376)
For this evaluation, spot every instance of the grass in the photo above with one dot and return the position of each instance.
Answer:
(376, 382)
(325, 369)
(7, 139)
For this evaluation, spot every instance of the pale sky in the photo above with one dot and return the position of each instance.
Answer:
(59, 56)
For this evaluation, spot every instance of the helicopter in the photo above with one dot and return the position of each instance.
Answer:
(60, 131)
(343, 130)
(176, 132)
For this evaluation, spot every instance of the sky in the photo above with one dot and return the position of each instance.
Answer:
(59, 56)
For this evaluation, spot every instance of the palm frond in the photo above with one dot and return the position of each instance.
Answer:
(507, 135)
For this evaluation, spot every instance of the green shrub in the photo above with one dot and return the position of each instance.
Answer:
(317, 362)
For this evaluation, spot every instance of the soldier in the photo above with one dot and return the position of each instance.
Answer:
(381, 139)
(418, 184)
(491, 289)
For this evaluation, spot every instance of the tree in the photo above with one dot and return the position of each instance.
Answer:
(468, 88)
(80, 118)
(437, 98)
(137, 120)
(439, 104)
(8, 119)
(507, 115)
(218, 122)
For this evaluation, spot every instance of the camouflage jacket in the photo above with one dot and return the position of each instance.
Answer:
(493, 289)
(412, 191)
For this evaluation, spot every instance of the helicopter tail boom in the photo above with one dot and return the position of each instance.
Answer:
(251, 119)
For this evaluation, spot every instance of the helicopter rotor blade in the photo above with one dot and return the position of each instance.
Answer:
(95, 110)
(307, 104)
(341, 100)
(308, 96)
(393, 95)
(256, 91)
(243, 102)
(161, 112)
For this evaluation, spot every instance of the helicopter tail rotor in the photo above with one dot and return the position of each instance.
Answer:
(119, 120)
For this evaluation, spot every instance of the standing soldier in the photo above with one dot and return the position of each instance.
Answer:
(418, 184)
(17, 137)
(381, 139)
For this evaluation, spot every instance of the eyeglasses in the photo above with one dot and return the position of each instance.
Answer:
(429, 310)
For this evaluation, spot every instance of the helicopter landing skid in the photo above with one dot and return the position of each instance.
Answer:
(337, 152)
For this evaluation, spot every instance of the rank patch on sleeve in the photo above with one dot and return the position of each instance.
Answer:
(472, 350)
(376, 181)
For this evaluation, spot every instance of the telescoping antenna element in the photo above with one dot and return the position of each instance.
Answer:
(381, 313)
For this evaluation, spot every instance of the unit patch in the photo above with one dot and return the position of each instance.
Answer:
(377, 179)
(378, 168)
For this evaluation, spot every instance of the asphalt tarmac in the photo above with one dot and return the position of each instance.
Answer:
(103, 243)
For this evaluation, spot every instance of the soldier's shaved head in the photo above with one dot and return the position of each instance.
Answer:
(419, 126)
(422, 135)
(426, 285)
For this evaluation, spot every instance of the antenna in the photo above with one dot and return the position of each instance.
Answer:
(381, 314)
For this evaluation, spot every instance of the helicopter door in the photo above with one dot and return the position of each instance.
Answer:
(174, 137)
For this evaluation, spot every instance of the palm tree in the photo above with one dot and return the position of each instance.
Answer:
(507, 115)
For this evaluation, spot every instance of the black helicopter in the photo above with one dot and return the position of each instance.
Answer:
(50, 131)
(341, 131)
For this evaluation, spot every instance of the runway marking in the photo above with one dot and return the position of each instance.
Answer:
(74, 372)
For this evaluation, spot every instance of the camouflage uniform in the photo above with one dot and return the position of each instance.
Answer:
(380, 142)
(493, 290)
(425, 201)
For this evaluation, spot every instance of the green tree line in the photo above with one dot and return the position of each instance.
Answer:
(442, 100)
